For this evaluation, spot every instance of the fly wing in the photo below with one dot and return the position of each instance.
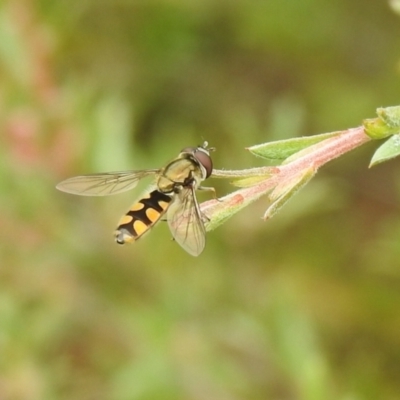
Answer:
(185, 222)
(104, 184)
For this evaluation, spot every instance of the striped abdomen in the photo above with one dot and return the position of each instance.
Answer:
(142, 216)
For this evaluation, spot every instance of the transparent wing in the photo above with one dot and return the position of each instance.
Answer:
(104, 184)
(185, 222)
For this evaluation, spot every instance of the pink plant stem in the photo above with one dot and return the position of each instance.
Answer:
(313, 157)
(329, 149)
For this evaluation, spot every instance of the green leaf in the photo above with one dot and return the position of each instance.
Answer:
(390, 149)
(282, 149)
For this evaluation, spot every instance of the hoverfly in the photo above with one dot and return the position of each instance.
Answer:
(174, 195)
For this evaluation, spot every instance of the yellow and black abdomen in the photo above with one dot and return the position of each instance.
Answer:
(142, 216)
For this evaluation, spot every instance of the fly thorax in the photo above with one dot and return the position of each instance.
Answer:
(165, 185)
(179, 173)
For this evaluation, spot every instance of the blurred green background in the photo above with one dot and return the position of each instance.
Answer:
(305, 306)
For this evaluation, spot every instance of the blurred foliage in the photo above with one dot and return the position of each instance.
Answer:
(302, 307)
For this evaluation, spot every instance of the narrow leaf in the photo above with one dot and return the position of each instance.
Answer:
(249, 181)
(282, 149)
(285, 191)
(244, 173)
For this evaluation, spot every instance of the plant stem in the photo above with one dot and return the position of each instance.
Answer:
(312, 157)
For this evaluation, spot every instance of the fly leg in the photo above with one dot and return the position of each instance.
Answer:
(209, 189)
(204, 217)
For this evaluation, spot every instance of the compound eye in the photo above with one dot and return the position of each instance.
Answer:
(189, 150)
(204, 159)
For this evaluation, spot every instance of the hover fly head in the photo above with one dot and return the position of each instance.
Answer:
(201, 155)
